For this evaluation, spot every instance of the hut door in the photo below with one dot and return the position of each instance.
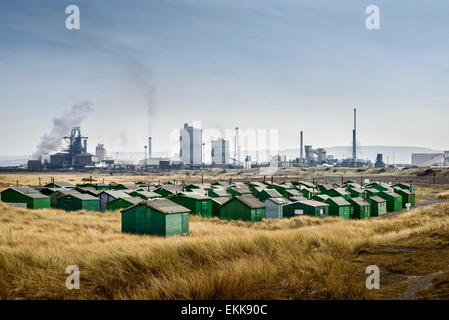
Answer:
(204, 209)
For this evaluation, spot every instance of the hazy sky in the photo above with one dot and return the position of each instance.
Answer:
(149, 66)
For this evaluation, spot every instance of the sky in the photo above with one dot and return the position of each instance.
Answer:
(147, 67)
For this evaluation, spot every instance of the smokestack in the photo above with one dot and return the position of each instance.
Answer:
(149, 148)
(354, 134)
(301, 147)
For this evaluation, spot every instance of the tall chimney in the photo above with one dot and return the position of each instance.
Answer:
(354, 144)
(301, 147)
(149, 148)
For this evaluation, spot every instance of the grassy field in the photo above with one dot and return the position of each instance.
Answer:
(298, 258)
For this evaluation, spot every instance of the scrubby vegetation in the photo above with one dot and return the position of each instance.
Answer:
(298, 258)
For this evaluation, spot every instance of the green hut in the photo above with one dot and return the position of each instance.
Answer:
(239, 191)
(217, 202)
(123, 203)
(361, 209)
(407, 186)
(356, 192)
(60, 184)
(371, 192)
(268, 193)
(339, 192)
(78, 201)
(407, 196)
(196, 203)
(144, 194)
(32, 198)
(321, 197)
(339, 207)
(246, 208)
(169, 190)
(218, 193)
(286, 189)
(309, 193)
(161, 217)
(394, 200)
(381, 186)
(306, 207)
(324, 188)
(378, 206)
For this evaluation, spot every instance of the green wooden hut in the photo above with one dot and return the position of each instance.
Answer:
(160, 217)
(356, 192)
(144, 194)
(268, 193)
(407, 186)
(309, 193)
(168, 190)
(381, 186)
(361, 209)
(378, 205)
(339, 207)
(246, 208)
(123, 203)
(371, 192)
(196, 203)
(60, 184)
(321, 197)
(218, 193)
(306, 207)
(78, 201)
(217, 202)
(324, 188)
(32, 198)
(239, 191)
(394, 200)
(339, 192)
(407, 196)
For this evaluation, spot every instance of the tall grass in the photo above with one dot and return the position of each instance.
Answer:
(298, 258)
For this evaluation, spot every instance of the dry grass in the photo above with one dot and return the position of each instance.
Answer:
(299, 258)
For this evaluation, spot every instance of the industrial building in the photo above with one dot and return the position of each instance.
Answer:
(423, 160)
(191, 144)
(220, 152)
(100, 152)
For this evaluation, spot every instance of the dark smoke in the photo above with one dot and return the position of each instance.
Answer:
(62, 126)
(143, 80)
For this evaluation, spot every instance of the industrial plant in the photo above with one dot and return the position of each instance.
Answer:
(192, 155)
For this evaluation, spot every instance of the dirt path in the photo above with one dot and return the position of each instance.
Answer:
(423, 282)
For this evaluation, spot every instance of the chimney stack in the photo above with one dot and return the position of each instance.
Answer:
(149, 148)
(354, 135)
(301, 147)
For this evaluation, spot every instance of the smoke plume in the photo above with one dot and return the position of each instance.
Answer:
(62, 126)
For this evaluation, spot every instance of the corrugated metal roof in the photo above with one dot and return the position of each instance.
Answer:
(193, 195)
(300, 198)
(323, 196)
(377, 199)
(313, 203)
(391, 193)
(293, 192)
(339, 201)
(341, 191)
(116, 193)
(64, 184)
(241, 189)
(165, 206)
(221, 192)
(221, 200)
(360, 201)
(81, 196)
(273, 193)
(133, 200)
(326, 186)
(279, 201)
(148, 194)
(251, 201)
(403, 190)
